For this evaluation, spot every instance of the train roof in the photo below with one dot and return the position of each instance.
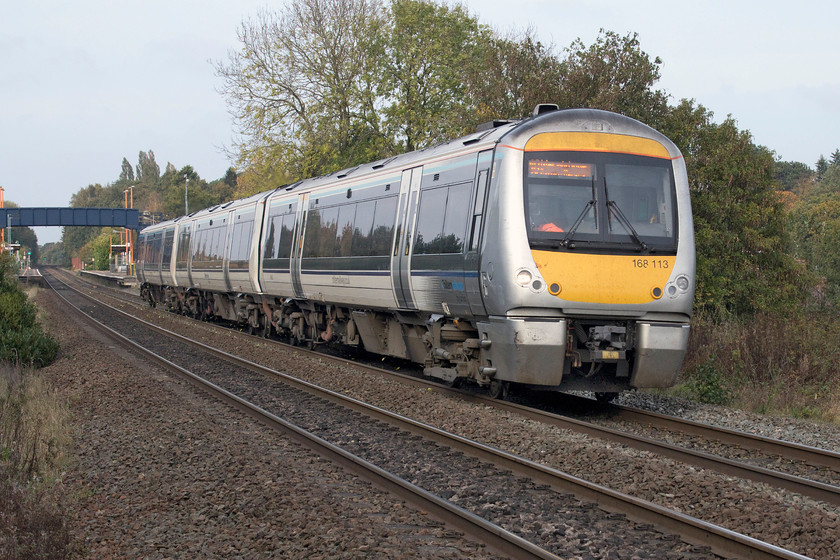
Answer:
(514, 133)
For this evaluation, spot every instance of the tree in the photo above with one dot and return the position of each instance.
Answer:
(148, 171)
(835, 158)
(429, 48)
(815, 221)
(613, 74)
(25, 236)
(426, 72)
(230, 177)
(792, 175)
(266, 170)
(127, 173)
(822, 167)
(302, 81)
(739, 220)
(53, 253)
(511, 76)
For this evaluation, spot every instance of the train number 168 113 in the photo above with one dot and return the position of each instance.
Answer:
(651, 263)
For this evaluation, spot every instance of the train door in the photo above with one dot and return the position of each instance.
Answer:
(224, 254)
(167, 272)
(401, 256)
(297, 249)
(473, 256)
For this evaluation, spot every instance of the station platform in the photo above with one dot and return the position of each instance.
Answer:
(32, 276)
(108, 278)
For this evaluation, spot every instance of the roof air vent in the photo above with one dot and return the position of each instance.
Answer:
(544, 108)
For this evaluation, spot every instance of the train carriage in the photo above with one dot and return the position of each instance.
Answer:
(555, 251)
(154, 257)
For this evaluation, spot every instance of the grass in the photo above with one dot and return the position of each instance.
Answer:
(771, 364)
(34, 432)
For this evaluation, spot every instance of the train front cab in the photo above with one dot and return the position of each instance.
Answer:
(591, 286)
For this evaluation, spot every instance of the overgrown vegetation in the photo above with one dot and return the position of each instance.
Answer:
(774, 358)
(782, 363)
(33, 435)
(34, 431)
(22, 340)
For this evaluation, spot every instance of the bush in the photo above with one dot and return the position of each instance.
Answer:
(22, 340)
(707, 385)
(768, 363)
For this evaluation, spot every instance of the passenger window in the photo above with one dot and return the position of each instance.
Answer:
(442, 232)
(168, 242)
(382, 235)
(362, 228)
(273, 238)
(284, 246)
(429, 229)
(344, 230)
(455, 222)
(326, 236)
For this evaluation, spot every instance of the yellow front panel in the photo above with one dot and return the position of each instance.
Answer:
(596, 142)
(611, 279)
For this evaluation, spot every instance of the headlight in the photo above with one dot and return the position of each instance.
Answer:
(524, 277)
(683, 283)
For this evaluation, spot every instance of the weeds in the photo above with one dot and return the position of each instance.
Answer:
(34, 426)
(707, 385)
(779, 364)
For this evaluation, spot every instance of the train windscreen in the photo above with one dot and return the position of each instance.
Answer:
(601, 201)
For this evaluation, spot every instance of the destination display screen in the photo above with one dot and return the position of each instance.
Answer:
(547, 168)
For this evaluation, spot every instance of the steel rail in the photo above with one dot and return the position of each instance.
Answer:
(817, 490)
(789, 450)
(719, 539)
(493, 536)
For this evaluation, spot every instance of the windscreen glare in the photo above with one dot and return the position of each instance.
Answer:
(579, 200)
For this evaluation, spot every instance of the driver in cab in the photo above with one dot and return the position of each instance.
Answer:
(546, 222)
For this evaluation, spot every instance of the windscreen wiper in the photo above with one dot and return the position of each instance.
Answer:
(591, 204)
(612, 206)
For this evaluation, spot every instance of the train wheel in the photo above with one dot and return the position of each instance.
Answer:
(605, 397)
(499, 389)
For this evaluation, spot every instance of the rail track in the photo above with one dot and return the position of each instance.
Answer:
(806, 470)
(546, 488)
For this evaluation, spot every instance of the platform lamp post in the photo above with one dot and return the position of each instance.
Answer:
(186, 202)
(129, 245)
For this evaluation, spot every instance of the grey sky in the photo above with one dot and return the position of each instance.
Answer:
(84, 84)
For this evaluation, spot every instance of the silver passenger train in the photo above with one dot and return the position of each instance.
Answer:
(555, 251)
